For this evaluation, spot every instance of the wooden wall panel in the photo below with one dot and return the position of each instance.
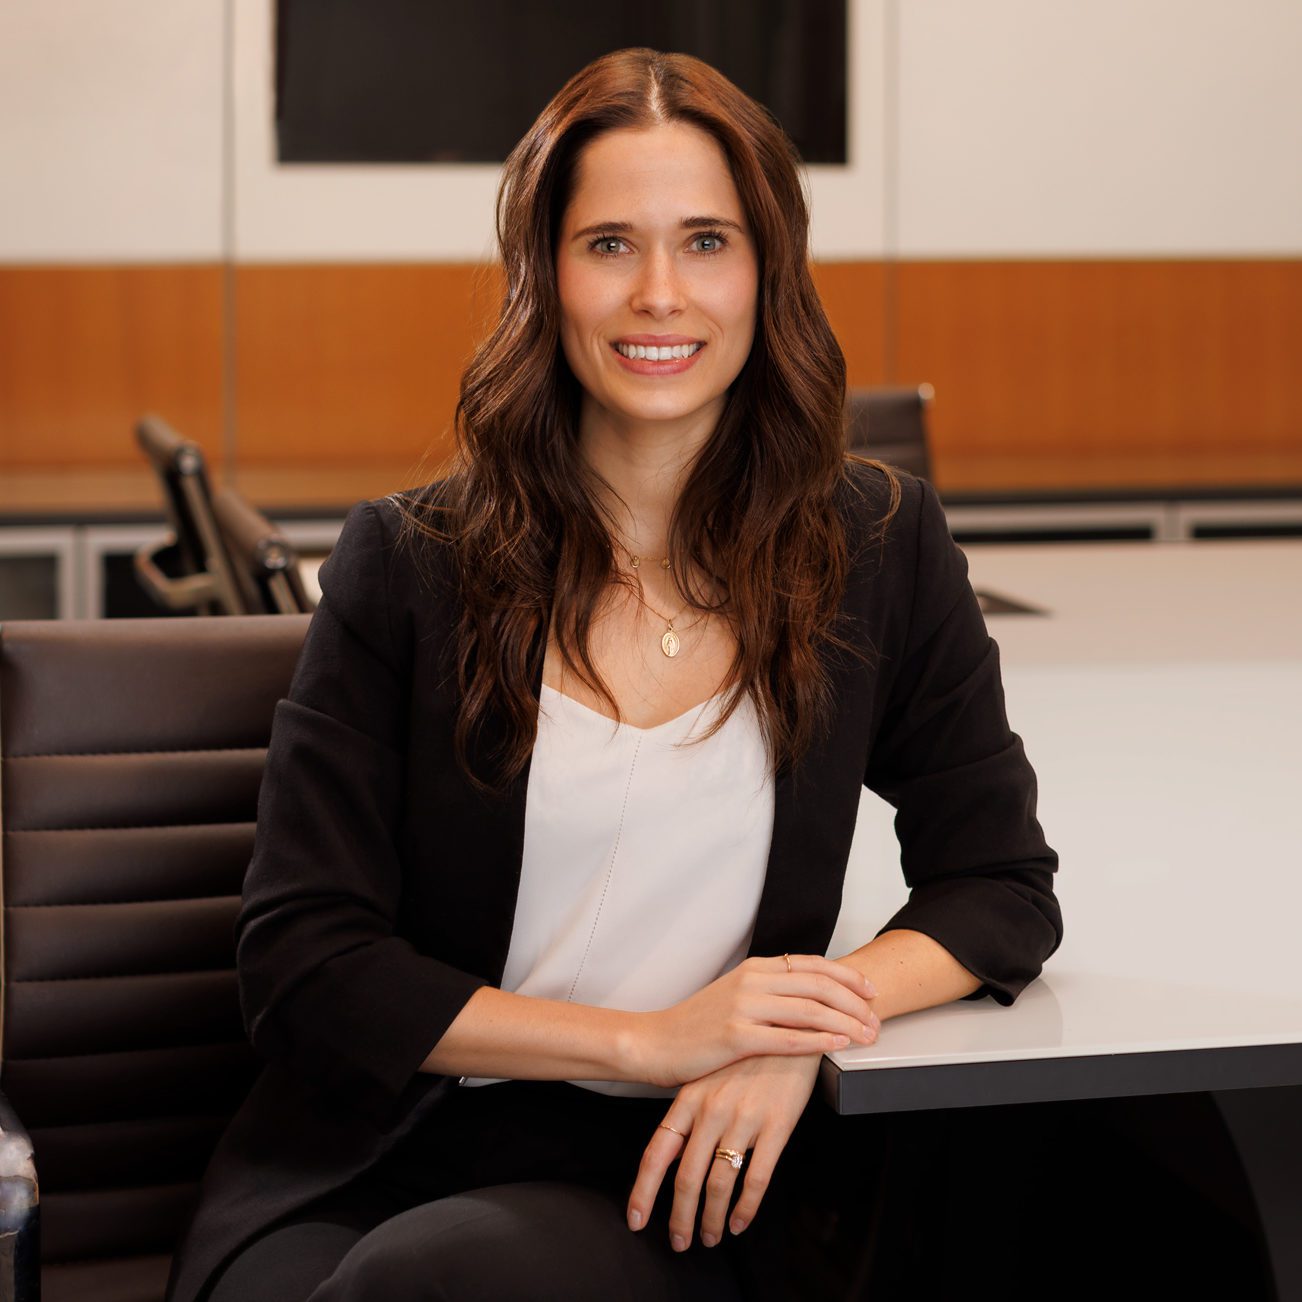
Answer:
(1046, 374)
(339, 364)
(1069, 371)
(855, 298)
(84, 351)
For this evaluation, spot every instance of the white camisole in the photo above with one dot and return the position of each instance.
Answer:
(643, 861)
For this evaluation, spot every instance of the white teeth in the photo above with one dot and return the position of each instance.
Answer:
(659, 354)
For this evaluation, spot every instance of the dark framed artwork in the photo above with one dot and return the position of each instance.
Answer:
(426, 81)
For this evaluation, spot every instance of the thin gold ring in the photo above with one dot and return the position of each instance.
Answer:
(679, 1133)
(788, 958)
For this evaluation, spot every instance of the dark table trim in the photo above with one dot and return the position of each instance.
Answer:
(1101, 496)
(1039, 1080)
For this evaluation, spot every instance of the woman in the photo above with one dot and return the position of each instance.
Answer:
(555, 817)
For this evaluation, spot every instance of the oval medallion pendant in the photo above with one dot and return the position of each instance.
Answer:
(669, 643)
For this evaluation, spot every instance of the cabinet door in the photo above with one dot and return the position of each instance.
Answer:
(37, 573)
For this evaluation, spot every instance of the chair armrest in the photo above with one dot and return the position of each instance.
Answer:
(20, 1223)
(183, 593)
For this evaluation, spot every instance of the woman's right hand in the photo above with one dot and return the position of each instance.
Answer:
(757, 1008)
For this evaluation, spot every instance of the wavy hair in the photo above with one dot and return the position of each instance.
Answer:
(757, 510)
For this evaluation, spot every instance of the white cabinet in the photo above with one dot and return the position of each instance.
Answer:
(86, 571)
(39, 577)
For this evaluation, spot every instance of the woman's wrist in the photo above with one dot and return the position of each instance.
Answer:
(634, 1049)
(498, 1033)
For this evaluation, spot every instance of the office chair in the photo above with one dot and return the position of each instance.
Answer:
(265, 562)
(208, 583)
(890, 425)
(131, 753)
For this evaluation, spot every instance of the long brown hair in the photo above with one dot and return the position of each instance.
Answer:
(757, 510)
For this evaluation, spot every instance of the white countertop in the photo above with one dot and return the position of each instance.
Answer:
(1160, 703)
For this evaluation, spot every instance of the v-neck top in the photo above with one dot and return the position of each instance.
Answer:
(644, 859)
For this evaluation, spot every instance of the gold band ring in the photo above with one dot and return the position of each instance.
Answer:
(788, 958)
(731, 1155)
(679, 1133)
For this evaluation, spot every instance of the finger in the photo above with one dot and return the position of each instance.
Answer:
(826, 990)
(693, 1169)
(818, 987)
(659, 1153)
(785, 1041)
(759, 1172)
(803, 1011)
(846, 973)
(720, 1185)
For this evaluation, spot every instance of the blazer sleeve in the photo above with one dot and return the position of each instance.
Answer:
(327, 987)
(973, 853)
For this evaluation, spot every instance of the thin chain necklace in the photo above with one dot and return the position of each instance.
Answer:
(670, 642)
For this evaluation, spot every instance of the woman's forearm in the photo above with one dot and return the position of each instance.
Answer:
(910, 971)
(520, 1037)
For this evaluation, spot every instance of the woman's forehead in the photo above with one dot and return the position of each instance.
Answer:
(668, 172)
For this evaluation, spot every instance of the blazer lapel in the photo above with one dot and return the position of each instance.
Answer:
(801, 896)
(494, 827)
(816, 807)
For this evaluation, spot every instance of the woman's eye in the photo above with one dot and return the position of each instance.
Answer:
(608, 246)
(717, 241)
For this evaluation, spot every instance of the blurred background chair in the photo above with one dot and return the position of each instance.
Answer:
(131, 753)
(224, 557)
(890, 424)
(265, 562)
(202, 576)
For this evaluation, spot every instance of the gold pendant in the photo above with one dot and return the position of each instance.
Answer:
(669, 644)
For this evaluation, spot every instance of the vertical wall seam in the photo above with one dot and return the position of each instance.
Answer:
(890, 192)
(228, 308)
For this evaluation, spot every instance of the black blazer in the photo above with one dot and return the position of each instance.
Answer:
(382, 888)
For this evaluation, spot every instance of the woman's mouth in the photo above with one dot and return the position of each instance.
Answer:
(643, 359)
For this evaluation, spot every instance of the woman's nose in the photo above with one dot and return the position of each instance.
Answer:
(659, 285)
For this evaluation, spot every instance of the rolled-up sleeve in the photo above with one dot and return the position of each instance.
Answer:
(972, 850)
(327, 986)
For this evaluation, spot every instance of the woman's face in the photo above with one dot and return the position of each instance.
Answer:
(654, 249)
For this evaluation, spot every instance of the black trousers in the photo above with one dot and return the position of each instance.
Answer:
(518, 1190)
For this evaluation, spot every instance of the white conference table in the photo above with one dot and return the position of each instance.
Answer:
(1160, 703)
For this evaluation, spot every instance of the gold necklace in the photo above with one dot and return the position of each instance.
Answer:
(670, 642)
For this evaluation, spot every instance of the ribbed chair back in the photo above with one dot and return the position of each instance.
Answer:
(130, 757)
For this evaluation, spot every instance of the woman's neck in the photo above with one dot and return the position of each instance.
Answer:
(646, 465)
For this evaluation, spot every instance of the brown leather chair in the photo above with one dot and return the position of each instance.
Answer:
(131, 752)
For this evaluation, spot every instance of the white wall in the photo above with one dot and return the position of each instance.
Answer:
(1110, 127)
(110, 130)
(979, 128)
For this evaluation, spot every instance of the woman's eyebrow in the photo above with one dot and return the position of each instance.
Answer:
(623, 228)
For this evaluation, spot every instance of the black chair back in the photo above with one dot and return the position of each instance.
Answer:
(890, 425)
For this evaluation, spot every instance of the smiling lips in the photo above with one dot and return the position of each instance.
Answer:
(673, 355)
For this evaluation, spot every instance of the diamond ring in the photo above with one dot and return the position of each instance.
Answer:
(731, 1155)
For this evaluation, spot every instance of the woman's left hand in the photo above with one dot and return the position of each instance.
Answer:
(755, 1103)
